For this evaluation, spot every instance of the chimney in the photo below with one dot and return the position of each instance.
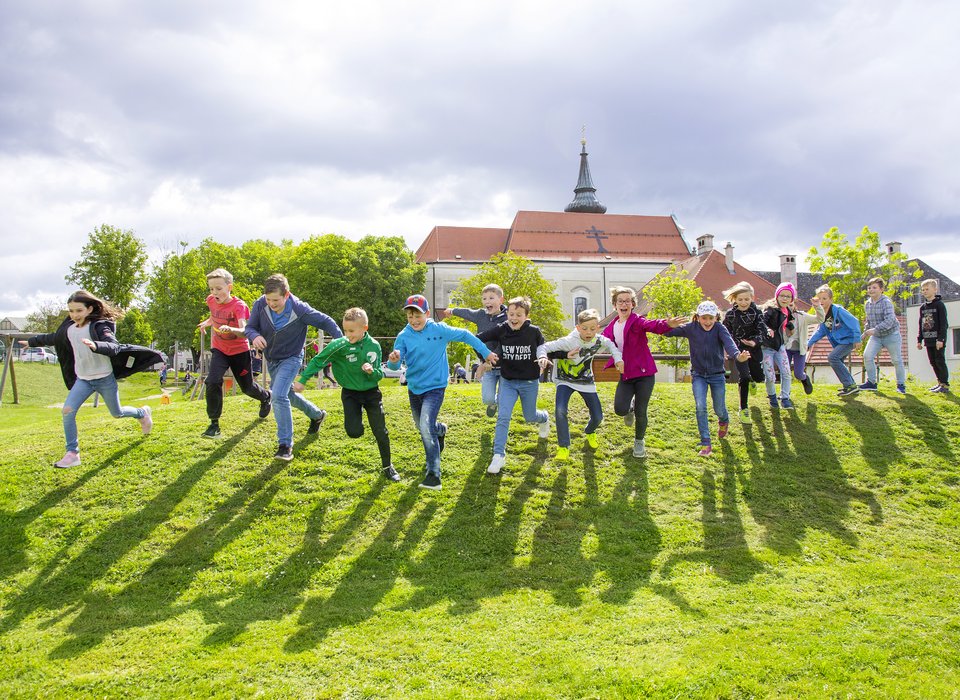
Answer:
(788, 269)
(893, 248)
(704, 243)
(728, 252)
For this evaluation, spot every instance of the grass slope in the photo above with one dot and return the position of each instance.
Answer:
(814, 555)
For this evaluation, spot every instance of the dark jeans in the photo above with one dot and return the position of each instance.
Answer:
(354, 402)
(938, 360)
(749, 371)
(425, 408)
(638, 391)
(590, 398)
(239, 364)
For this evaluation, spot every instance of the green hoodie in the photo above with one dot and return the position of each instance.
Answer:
(347, 358)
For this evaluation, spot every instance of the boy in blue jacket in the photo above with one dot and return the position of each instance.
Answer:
(423, 345)
(843, 330)
(278, 327)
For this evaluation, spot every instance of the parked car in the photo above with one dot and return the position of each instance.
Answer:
(38, 355)
(400, 374)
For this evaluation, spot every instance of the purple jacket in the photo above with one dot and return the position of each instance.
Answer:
(637, 358)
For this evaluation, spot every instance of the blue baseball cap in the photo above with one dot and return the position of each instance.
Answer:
(418, 302)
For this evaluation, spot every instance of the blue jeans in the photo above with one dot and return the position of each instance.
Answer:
(81, 391)
(425, 408)
(837, 357)
(511, 390)
(282, 396)
(590, 398)
(488, 386)
(893, 344)
(779, 358)
(718, 391)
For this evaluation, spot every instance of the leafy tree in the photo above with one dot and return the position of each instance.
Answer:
(847, 266)
(47, 318)
(176, 292)
(671, 293)
(111, 265)
(133, 328)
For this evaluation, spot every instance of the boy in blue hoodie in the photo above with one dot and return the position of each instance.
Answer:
(843, 330)
(422, 344)
(278, 327)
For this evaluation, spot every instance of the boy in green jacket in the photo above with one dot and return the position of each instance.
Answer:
(356, 365)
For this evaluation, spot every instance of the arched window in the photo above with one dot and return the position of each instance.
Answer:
(581, 301)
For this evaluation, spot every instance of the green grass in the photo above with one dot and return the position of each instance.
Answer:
(815, 555)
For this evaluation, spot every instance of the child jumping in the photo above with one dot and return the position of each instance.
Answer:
(575, 374)
(278, 326)
(708, 341)
(746, 326)
(356, 364)
(518, 340)
(491, 315)
(797, 341)
(422, 344)
(882, 331)
(933, 333)
(843, 330)
(778, 317)
(629, 334)
(228, 349)
(91, 360)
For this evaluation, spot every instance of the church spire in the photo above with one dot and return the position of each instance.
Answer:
(585, 199)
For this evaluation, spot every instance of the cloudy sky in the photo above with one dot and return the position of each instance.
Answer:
(762, 123)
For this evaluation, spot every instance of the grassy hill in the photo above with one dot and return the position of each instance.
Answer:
(813, 555)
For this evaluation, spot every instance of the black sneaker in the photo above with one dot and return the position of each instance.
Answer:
(807, 385)
(431, 481)
(284, 452)
(315, 423)
(390, 473)
(848, 390)
(265, 406)
(491, 410)
(212, 431)
(441, 436)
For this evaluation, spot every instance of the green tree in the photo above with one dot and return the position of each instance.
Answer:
(133, 328)
(847, 266)
(176, 294)
(671, 293)
(47, 318)
(111, 265)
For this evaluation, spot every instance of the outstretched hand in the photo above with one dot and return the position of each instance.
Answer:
(676, 321)
(394, 356)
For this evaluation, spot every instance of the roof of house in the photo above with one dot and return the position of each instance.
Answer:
(820, 354)
(17, 322)
(462, 244)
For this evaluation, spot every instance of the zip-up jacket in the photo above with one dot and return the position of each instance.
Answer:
(706, 347)
(125, 359)
(287, 341)
(637, 358)
(933, 322)
(484, 321)
(518, 349)
(347, 358)
(746, 325)
(845, 330)
(425, 352)
(773, 317)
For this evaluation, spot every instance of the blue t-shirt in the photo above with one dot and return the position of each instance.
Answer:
(283, 318)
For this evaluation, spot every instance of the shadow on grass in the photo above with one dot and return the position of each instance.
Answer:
(13, 526)
(790, 493)
(879, 446)
(924, 418)
(64, 583)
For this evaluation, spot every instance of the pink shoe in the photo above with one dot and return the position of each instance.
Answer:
(71, 459)
(724, 428)
(705, 450)
(146, 423)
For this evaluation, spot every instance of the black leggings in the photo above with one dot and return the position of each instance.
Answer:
(749, 371)
(637, 390)
(239, 364)
(372, 400)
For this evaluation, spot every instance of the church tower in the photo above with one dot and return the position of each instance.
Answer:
(585, 198)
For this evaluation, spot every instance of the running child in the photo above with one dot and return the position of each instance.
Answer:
(229, 349)
(356, 364)
(91, 360)
(491, 315)
(882, 331)
(278, 326)
(422, 344)
(708, 341)
(933, 333)
(745, 323)
(778, 317)
(574, 373)
(796, 344)
(843, 330)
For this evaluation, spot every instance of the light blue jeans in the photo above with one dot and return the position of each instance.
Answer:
(282, 375)
(894, 345)
(425, 408)
(488, 386)
(81, 391)
(779, 358)
(837, 359)
(511, 390)
(718, 391)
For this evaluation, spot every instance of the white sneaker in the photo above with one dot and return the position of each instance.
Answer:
(146, 423)
(496, 464)
(544, 428)
(639, 449)
(71, 459)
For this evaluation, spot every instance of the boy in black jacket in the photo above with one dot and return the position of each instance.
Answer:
(933, 333)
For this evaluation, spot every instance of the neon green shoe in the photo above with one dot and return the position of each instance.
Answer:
(745, 416)
(563, 454)
(592, 440)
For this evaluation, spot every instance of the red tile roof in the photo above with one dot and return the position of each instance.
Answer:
(821, 350)
(446, 243)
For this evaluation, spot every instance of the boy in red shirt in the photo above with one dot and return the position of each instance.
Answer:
(229, 349)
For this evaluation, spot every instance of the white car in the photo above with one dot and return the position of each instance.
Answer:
(38, 355)
(400, 374)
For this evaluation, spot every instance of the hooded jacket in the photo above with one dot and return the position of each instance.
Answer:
(287, 341)
(637, 358)
(845, 330)
(933, 322)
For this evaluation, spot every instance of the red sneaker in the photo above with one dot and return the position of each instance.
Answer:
(724, 429)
